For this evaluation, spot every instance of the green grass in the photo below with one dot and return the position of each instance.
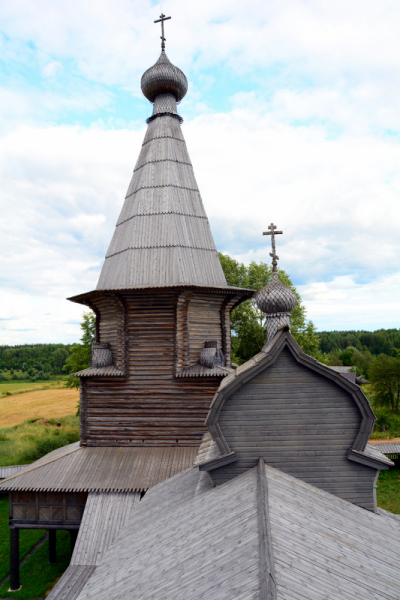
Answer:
(27, 538)
(388, 490)
(37, 576)
(18, 387)
(25, 443)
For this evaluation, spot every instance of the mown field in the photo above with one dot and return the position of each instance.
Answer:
(48, 403)
(7, 387)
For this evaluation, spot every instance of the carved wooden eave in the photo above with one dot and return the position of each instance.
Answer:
(109, 371)
(87, 297)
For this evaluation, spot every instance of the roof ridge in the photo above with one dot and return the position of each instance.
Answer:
(266, 551)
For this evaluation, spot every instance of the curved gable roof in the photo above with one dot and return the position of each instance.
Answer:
(267, 358)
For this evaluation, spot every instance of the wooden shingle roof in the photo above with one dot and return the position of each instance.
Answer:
(263, 534)
(162, 235)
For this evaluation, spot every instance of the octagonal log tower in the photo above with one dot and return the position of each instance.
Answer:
(162, 303)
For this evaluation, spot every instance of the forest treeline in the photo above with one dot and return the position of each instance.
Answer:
(382, 341)
(33, 361)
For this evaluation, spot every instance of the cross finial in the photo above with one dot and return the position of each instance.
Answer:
(161, 20)
(273, 233)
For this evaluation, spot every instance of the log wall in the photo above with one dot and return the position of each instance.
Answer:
(301, 423)
(110, 315)
(162, 331)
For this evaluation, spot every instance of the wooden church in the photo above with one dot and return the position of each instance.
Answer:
(192, 479)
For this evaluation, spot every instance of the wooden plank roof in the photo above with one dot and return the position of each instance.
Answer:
(7, 471)
(114, 469)
(106, 513)
(263, 534)
(388, 448)
(162, 235)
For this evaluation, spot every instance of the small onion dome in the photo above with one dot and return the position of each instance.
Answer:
(276, 297)
(164, 78)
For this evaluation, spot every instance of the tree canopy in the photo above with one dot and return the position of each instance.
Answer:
(249, 323)
(381, 341)
(79, 357)
(384, 374)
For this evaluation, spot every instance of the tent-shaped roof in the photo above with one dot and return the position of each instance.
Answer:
(162, 235)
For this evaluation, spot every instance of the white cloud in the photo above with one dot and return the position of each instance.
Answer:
(33, 319)
(344, 304)
(310, 146)
(51, 69)
(62, 188)
(111, 39)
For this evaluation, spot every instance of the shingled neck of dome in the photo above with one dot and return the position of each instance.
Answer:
(164, 85)
(277, 301)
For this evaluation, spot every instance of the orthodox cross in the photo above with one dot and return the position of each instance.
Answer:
(273, 233)
(161, 20)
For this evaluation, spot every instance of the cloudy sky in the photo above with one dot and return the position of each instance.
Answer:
(292, 116)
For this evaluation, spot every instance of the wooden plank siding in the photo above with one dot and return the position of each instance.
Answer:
(204, 320)
(110, 317)
(302, 424)
(46, 509)
(150, 406)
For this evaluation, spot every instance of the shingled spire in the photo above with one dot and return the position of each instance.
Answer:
(162, 235)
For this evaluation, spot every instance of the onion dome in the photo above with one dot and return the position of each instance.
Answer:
(276, 297)
(164, 78)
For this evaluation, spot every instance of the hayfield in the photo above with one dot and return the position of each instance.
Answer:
(41, 404)
(28, 386)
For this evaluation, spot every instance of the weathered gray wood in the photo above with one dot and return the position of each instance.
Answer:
(98, 469)
(71, 583)
(219, 461)
(163, 234)
(299, 420)
(267, 569)
(325, 547)
(105, 515)
(185, 541)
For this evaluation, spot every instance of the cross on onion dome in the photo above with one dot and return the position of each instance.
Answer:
(161, 20)
(273, 233)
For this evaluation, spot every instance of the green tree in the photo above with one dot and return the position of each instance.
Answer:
(384, 374)
(249, 323)
(79, 357)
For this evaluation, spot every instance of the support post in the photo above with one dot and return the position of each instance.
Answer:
(52, 545)
(73, 534)
(14, 560)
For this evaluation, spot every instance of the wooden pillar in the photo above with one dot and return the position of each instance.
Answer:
(52, 545)
(14, 560)
(73, 534)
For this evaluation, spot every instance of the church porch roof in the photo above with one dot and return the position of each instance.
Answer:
(77, 468)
